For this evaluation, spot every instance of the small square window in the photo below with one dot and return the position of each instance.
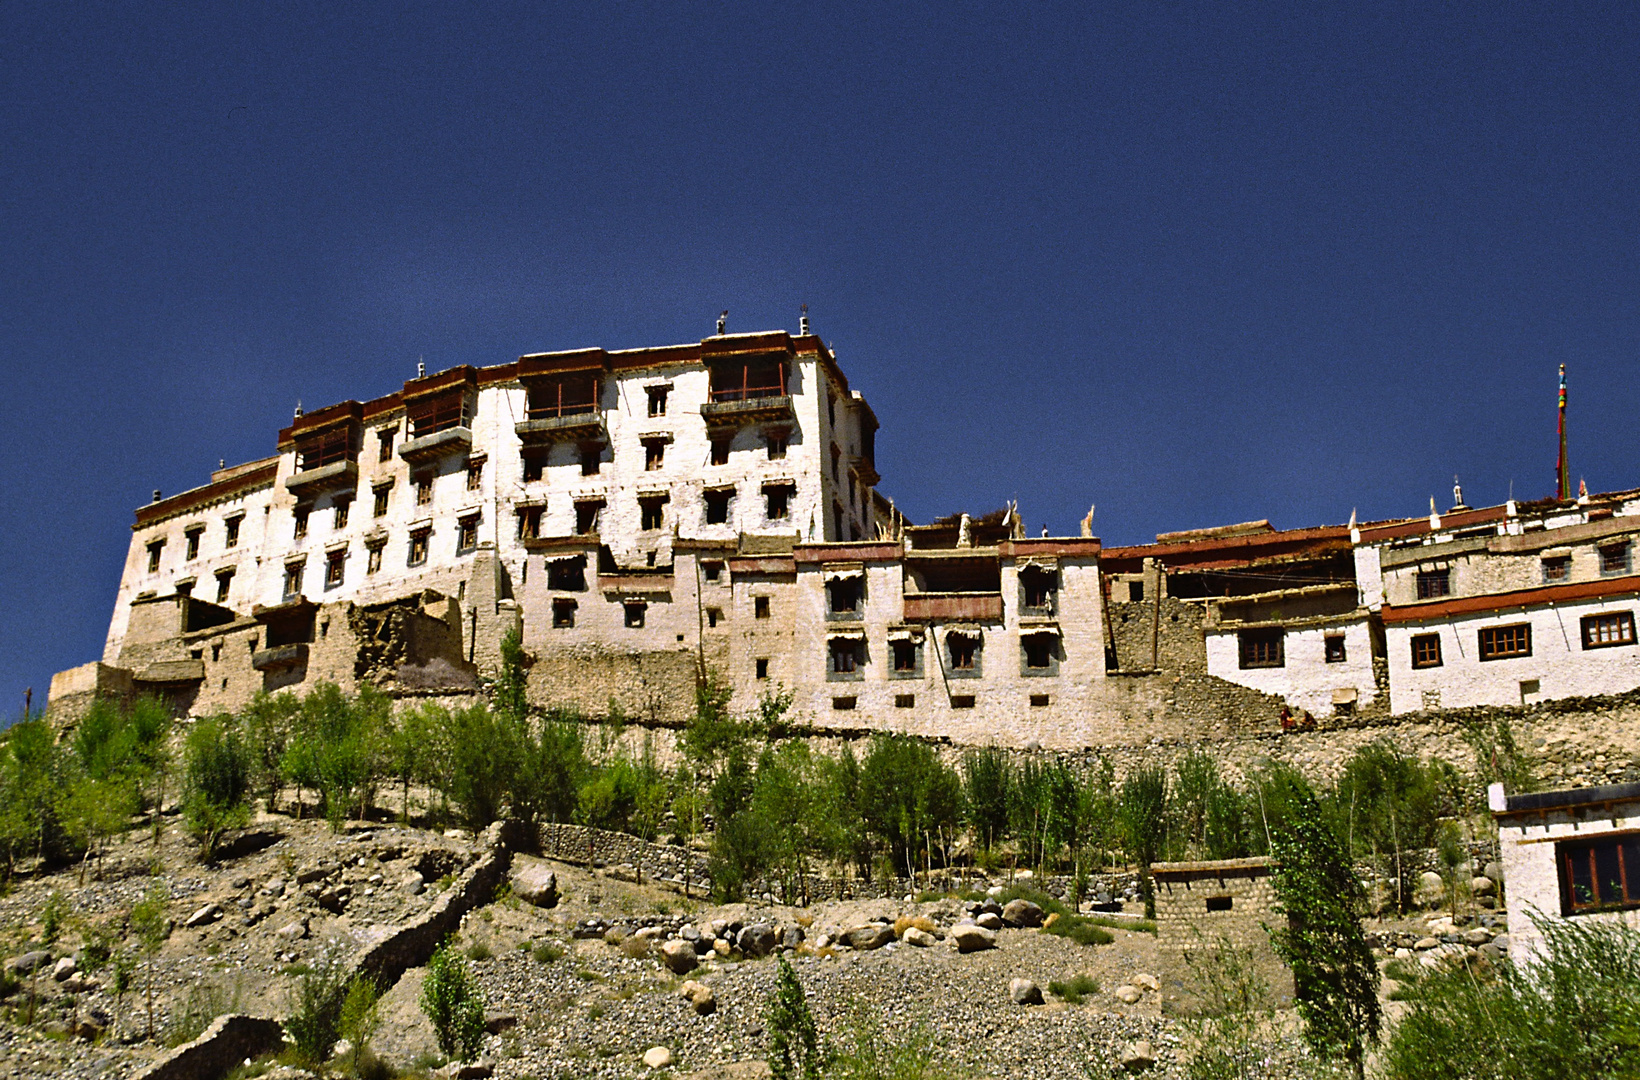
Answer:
(302, 521)
(1219, 903)
(563, 613)
(529, 522)
(335, 564)
(720, 448)
(1038, 650)
(224, 584)
(373, 557)
(380, 509)
(216, 652)
(717, 507)
(962, 650)
(567, 575)
(712, 570)
(467, 534)
(293, 580)
(185, 587)
(904, 654)
(843, 704)
(1614, 559)
(635, 612)
(962, 701)
(776, 442)
(424, 489)
(1334, 645)
(845, 656)
(418, 546)
(1433, 583)
(1039, 700)
(843, 595)
(1136, 591)
(1262, 648)
(777, 503)
(534, 463)
(1426, 650)
(230, 532)
(905, 701)
(385, 439)
(586, 517)
(1504, 642)
(654, 454)
(760, 607)
(339, 522)
(761, 666)
(713, 616)
(591, 458)
(154, 550)
(475, 475)
(1556, 569)
(657, 399)
(193, 543)
(653, 514)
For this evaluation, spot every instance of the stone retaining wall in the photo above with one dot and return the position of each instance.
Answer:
(586, 846)
(229, 1040)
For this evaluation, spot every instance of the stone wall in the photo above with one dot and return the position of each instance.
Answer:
(586, 846)
(1177, 633)
(1198, 904)
(228, 1041)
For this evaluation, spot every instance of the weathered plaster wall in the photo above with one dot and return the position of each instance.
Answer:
(1305, 680)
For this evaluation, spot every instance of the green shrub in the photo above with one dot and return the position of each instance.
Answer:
(454, 1004)
(479, 950)
(794, 1041)
(1079, 929)
(315, 1021)
(871, 1053)
(216, 782)
(546, 951)
(1074, 991)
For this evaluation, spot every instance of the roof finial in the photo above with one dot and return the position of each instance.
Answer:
(421, 367)
(298, 408)
(723, 322)
(1457, 495)
(803, 322)
(222, 463)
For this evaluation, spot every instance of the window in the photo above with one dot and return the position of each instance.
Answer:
(373, 556)
(903, 657)
(653, 515)
(1039, 701)
(224, 584)
(1503, 642)
(843, 595)
(836, 462)
(1599, 875)
(326, 448)
(962, 701)
(563, 613)
(563, 395)
(1557, 568)
(963, 651)
(1614, 559)
(1038, 649)
(657, 399)
(634, 612)
(905, 701)
(761, 667)
(777, 502)
(1333, 645)
(1262, 648)
(335, 561)
(1037, 588)
(776, 440)
(1426, 650)
(654, 454)
(442, 413)
(591, 458)
(293, 580)
(384, 439)
(467, 534)
(193, 542)
(760, 607)
(843, 704)
(418, 546)
(831, 410)
(1136, 591)
(341, 506)
(302, 521)
(185, 587)
(567, 575)
(534, 462)
(529, 522)
(717, 506)
(586, 516)
(845, 656)
(475, 474)
(424, 489)
(230, 531)
(382, 493)
(713, 616)
(837, 520)
(754, 378)
(1604, 631)
(712, 570)
(1219, 903)
(720, 448)
(1433, 583)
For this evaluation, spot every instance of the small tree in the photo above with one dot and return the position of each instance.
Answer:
(360, 1016)
(1335, 980)
(315, 1021)
(152, 926)
(216, 782)
(453, 1003)
(794, 1041)
(1143, 810)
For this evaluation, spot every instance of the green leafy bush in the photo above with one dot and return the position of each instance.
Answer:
(1075, 990)
(794, 1040)
(315, 1020)
(454, 1004)
(216, 782)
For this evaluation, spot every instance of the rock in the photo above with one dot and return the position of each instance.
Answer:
(1147, 982)
(468, 1070)
(792, 937)
(722, 947)
(989, 905)
(1431, 891)
(689, 932)
(1050, 920)
(617, 934)
(335, 900)
(208, 913)
(1482, 886)
(868, 936)
(1024, 992)
(756, 940)
(413, 883)
(309, 874)
(1494, 870)
(994, 891)
(972, 937)
(657, 1057)
(79, 984)
(89, 1030)
(1127, 993)
(1021, 912)
(536, 885)
(1138, 1056)
(293, 931)
(678, 956)
(497, 1022)
(1502, 943)
(275, 887)
(64, 968)
(1477, 936)
(1426, 943)
(990, 920)
(700, 996)
(26, 963)
(919, 937)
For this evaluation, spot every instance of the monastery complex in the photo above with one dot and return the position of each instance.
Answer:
(646, 517)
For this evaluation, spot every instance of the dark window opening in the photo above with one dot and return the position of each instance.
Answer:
(373, 557)
(720, 448)
(777, 503)
(586, 517)
(567, 575)
(293, 580)
(1039, 587)
(224, 583)
(1433, 583)
(193, 543)
(592, 458)
(335, 564)
(653, 513)
(529, 522)
(1605, 631)
(712, 570)
(1039, 700)
(963, 701)
(1136, 591)
(563, 613)
(466, 534)
(1503, 642)
(1262, 648)
(1557, 569)
(534, 463)
(384, 440)
(230, 529)
(1426, 650)
(761, 667)
(845, 655)
(740, 380)
(657, 399)
(563, 395)
(836, 462)
(843, 704)
(635, 612)
(837, 521)
(154, 550)
(382, 494)
(962, 650)
(1218, 903)
(185, 588)
(438, 414)
(301, 527)
(1614, 559)
(1334, 645)
(843, 595)
(654, 454)
(1038, 651)
(713, 616)
(424, 489)
(342, 506)
(1599, 875)
(905, 701)
(418, 546)
(760, 607)
(904, 655)
(475, 475)
(717, 507)
(776, 442)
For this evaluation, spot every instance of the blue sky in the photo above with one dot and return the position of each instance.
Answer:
(1195, 263)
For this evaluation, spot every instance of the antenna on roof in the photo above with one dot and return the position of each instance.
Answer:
(803, 322)
(723, 322)
(421, 368)
(1563, 477)
(222, 463)
(298, 408)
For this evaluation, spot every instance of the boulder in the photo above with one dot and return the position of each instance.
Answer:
(1477, 936)
(1426, 943)
(1501, 942)
(990, 920)
(868, 936)
(276, 887)
(26, 963)
(1146, 982)
(1482, 886)
(535, 885)
(208, 913)
(657, 1057)
(792, 937)
(1138, 1056)
(679, 956)
(1024, 992)
(413, 883)
(1494, 870)
(294, 931)
(699, 996)
(1021, 912)
(1431, 890)
(64, 968)
(722, 947)
(972, 937)
(919, 937)
(756, 940)
(1127, 993)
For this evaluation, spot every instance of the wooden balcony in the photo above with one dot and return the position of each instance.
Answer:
(337, 476)
(953, 607)
(730, 412)
(452, 440)
(570, 427)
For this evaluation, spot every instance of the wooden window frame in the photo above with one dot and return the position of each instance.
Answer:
(546, 399)
(1261, 648)
(1625, 850)
(1426, 650)
(1432, 584)
(335, 568)
(1334, 649)
(1507, 642)
(1594, 629)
